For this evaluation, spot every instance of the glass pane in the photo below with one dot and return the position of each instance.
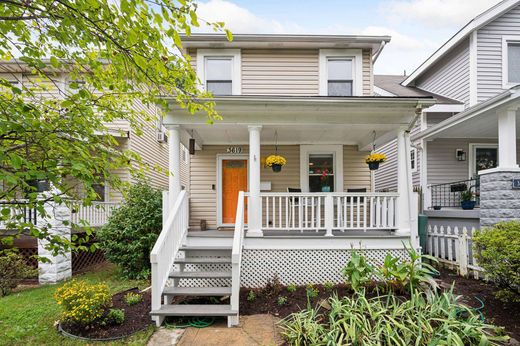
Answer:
(100, 190)
(321, 172)
(234, 163)
(316, 185)
(340, 88)
(339, 69)
(219, 87)
(218, 69)
(485, 158)
(513, 56)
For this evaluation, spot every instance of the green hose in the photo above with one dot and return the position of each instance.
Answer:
(196, 322)
(475, 310)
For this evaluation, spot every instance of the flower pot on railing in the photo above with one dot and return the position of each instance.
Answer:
(276, 168)
(468, 205)
(373, 166)
(325, 189)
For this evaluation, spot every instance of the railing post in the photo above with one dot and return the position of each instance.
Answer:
(329, 215)
(463, 252)
(165, 203)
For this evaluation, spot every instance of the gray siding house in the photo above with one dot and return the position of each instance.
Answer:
(464, 136)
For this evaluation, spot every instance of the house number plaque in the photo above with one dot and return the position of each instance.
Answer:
(234, 150)
(516, 183)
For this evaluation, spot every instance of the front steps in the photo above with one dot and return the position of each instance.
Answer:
(203, 269)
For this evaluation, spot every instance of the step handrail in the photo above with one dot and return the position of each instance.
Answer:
(236, 259)
(167, 247)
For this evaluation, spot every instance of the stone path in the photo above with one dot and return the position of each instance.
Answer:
(253, 330)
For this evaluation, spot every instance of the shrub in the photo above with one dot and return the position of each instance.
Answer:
(312, 292)
(329, 286)
(427, 318)
(292, 288)
(83, 303)
(251, 296)
(115, 316)
(282, 300)
(12, 270)
(133, 298)
(132, 230)
(498, 252)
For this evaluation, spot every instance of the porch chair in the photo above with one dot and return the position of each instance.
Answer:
(295, 202)
(351, 201)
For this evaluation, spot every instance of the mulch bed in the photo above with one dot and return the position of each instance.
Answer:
(495, 311)
(137, 317)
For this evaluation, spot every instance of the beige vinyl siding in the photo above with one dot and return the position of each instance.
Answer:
(355, 171)
(449, 77)
(368, 76)
(489, 52)
(280, 72)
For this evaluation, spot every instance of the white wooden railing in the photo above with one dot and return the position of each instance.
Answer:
(167, 247)
(95, 215)
(236, 259)
(454, 247)
(329, 211)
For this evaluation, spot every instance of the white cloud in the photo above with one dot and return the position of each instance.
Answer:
(435, 13)
(240, 20)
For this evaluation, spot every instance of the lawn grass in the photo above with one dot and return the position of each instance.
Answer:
(27, 317)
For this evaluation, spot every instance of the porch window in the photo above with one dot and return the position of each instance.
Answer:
(513, 62)
(100, 190)
(484, 156)
(321, 172)
(219, 79)
(339, 77)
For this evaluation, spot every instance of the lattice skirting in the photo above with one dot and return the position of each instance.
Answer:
(298, 267)
(84, 260)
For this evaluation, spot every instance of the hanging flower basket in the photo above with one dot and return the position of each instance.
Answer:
(275, 162)
(373, 160)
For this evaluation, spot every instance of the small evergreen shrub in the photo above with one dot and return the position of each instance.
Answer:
(292, 288)
(83, 303)
(251, 296)
(115, 316)
(133, 298)
(282, 300)
(498, 252)
(132, 230)
(328, 285)
(312, 292)
(12, 270)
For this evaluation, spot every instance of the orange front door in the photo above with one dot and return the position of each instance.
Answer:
(234, 180)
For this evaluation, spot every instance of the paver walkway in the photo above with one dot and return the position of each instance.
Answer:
(253, 330)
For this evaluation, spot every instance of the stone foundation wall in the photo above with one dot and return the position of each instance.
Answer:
(498, 201)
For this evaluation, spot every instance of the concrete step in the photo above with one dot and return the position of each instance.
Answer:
(206, 248)
(204, 260)
(194, 310)
(200, 275)
(198, 291)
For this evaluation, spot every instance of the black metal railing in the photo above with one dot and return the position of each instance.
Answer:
(449, 194)
(20, 212)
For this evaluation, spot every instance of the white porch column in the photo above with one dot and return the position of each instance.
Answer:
(174, 164)
(507, 139)
(404, 182)
(254, 211)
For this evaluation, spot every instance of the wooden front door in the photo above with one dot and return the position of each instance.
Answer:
(234, 180)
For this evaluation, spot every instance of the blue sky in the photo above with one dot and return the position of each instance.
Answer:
(417, 27)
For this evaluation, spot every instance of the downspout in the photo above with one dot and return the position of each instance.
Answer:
(378, 52)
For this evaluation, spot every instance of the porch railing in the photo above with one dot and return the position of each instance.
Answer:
(20, 212)
(167, 247)
(448, 195)
(236, 259)
(96, 215)
(329, 211)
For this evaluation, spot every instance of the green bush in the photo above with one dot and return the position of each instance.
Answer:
(133, 298)
(251, 296)
(132, 230)
(292, 288)
(12, 270)
(282, 300)
(498, 252)
(115, 316)
(426, 319)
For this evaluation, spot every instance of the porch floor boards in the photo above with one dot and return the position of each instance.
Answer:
(291, 234)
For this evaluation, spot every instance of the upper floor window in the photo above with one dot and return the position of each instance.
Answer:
(413, 159)
(339, 77)
(219, 76)
(513, 62)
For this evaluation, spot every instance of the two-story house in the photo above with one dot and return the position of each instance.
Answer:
(469, 142)
(310, 99)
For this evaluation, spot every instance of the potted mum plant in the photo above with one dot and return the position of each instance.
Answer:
(275, 162)
(373, 160)
(466, 200)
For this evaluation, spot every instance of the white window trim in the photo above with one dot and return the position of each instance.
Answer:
(415, 151)
(357, 68)
(473, 153)
(234, 54)
(336, 150)
(505, 73)
(220, 158)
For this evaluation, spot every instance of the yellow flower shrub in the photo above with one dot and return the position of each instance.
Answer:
(275, 160)
(82, 302)
(375, 157)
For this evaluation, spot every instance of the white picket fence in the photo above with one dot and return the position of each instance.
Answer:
(454, 247)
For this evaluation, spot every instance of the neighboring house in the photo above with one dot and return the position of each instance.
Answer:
(309, 98)
(460, 148)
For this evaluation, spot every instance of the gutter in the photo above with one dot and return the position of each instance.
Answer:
(378, 52)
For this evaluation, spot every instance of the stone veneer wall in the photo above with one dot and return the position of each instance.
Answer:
(498, 200)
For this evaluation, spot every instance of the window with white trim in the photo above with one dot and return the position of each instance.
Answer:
(413, 159)
(219, 75)
(321, 172)
(513, 62)
(339, 77)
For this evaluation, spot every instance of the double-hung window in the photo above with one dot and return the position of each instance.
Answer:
(413, 159)
(219, 75)
(339, 77)
(513, 62)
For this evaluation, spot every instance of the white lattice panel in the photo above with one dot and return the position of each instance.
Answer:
(301, 267)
